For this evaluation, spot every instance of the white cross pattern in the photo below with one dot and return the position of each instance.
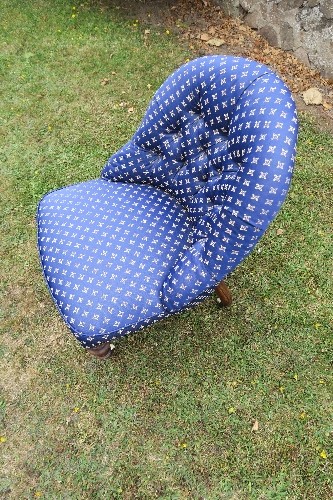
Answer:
(178, 207)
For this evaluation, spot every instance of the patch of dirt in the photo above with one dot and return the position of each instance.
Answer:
(205, 29)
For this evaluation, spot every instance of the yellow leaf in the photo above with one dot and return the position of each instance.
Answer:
(3, 439)
(232, 410)
(323, 454)
(205, 37)
(216, 42)
(255, 426)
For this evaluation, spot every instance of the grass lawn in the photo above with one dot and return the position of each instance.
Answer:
(172, 414)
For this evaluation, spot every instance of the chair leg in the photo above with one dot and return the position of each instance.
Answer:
(103, 351)
(223, 293)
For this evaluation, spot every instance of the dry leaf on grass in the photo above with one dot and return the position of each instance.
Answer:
(216, 42)
(255, 426)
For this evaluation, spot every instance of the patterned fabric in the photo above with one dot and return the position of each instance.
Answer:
(178, 207)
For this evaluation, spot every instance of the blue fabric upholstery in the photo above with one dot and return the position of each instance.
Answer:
(178, 207)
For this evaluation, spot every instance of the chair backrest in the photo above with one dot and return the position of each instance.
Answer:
(220, 136)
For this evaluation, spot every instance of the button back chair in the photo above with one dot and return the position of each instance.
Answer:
(177, 208)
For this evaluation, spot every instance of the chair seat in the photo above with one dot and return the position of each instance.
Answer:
(105, 249)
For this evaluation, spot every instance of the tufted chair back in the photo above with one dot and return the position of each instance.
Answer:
(220, 137)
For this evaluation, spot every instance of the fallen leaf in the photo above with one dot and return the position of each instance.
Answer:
(147, 32)
(216, 42)
(205, 37)
(312, 96)
(105, 81)
(255, 426)
(130, 110)
(279, 231)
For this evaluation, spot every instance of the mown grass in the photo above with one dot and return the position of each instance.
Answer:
(171, 415)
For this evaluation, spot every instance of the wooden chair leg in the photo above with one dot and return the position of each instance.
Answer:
(223, 293)
(103, 351)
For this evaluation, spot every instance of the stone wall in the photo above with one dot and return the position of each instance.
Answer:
(304, 27)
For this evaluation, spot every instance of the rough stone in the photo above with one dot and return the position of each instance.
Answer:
(248, 5)
(286, 36)
(302, 55)
(302, 26)
(255, 19)
(291, 4)
(326, 8)
(312, 3)
(270, 34)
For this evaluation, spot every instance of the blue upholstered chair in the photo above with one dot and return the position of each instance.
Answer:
(177, 208)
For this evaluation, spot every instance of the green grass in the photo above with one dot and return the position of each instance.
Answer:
(171, 415)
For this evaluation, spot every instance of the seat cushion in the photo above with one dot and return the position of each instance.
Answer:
(105, 249)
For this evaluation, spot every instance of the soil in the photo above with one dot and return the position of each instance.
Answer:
(203, 28)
